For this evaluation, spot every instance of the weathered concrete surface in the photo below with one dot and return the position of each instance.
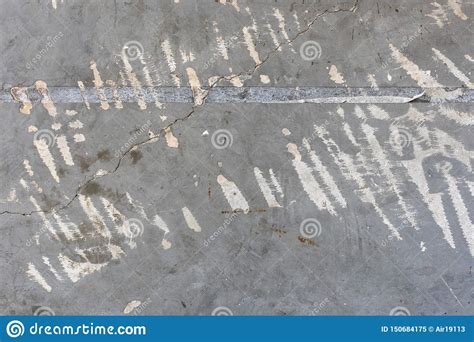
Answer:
(177, 179)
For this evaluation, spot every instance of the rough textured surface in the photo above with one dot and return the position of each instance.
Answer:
(262, 157)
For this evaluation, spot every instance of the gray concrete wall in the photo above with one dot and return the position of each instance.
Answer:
(242, 157)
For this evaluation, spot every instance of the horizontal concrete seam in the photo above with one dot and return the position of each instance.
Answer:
(65, 95)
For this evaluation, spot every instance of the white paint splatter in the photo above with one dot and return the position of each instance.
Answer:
(191, 220)
(171, 140)
(233, 195)
(46, 156)
(36, 276)
(335, 76)
(266, 190)
(454, 69)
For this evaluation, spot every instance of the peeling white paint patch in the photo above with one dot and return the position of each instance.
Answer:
(309, 183)
(99, 84)
(286, 132)
(233, 195)
(94, 216)
(76, 124)
(160, 223)
(454, 69)
(264, 79)
(131, 306)
(171, 140)
(64, 149)
(265, 188)
(455, 6)
(335, 76)
(248, 40)
(70, 112)
(56, 126)
(422, 247)
(46, 156)
(36, 276)
(46, 100)
(198, 93)
(191, 220)
(79, 138)
(20, 94)
(32, 129)
(469, 58)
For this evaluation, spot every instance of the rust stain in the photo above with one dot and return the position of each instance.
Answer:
(306, 241)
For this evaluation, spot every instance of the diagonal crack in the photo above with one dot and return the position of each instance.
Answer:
(249, 73)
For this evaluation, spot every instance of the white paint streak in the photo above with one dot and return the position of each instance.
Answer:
(46, 156)
(99, 84)
(52, 269)
(233, 195)
(266, 190)
(171, 140)
(461, 210)
(36, 276)
(160, 223)
(133, 79)
(191, 220)
(454, 69)
(456, 8)
(64, 149)
(94, 216)
(335, 76)
(248, 40)
(82, 88)
(310, 184)
(198, 93)
(46, 100)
